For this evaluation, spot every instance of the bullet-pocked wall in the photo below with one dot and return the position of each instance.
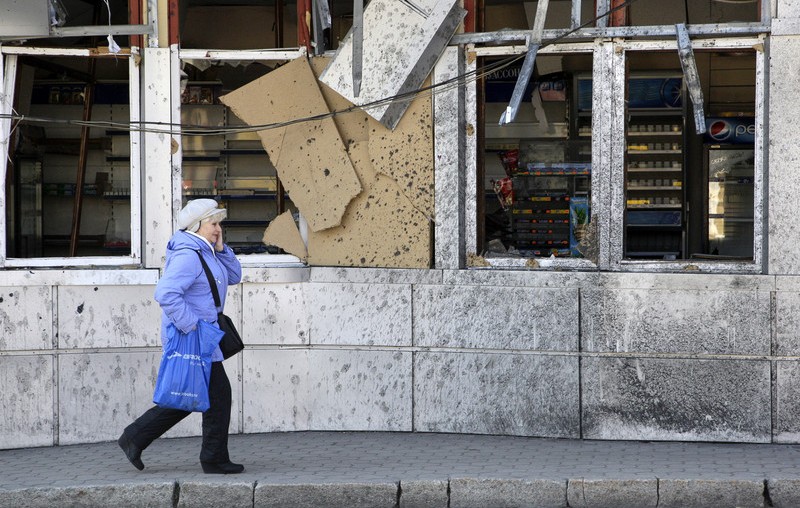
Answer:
(573, 355)
(583, 354)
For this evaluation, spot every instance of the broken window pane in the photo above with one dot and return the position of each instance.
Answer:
(690, 195)
(268, 25)
(47, 183)
(232, 167)
(536, 171)
(670, 12)
(515, 15)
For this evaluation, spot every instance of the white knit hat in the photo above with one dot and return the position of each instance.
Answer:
(198, 209)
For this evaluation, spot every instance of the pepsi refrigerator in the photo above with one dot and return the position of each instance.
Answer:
(730, 165)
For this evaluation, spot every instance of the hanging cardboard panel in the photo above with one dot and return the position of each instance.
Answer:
(310, 158)
(282, 232)
(382, 228)
(404, 154)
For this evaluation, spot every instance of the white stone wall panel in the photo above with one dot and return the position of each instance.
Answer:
(374, 275)
(786, 424)
(274, 314)
(108, 316)
(508, 394)
(496, 317)
(676, 399)
(291, 390)
(26, 397)
(787, 323)
(360, 314)
(102, 393)
(673, 321)
(26, 318)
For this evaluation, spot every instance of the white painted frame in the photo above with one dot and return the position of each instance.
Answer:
(269, 55)
(8, 77)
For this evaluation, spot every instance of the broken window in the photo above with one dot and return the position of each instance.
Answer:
(71, 186)
(680, 194)
(231, 166)
(536, 171)
(669, 12)
(690, 195)
(254, 24)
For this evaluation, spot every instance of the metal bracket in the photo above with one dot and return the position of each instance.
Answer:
(691, 76)
(527, 65)
(358, 44)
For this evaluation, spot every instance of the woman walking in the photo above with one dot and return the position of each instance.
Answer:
(184, 294)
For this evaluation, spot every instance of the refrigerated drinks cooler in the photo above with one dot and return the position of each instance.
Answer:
(729, 228)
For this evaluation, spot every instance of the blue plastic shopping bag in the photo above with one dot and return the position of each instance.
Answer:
(185, 368)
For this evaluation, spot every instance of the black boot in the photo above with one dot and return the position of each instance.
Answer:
(132, 451)
(221, 467)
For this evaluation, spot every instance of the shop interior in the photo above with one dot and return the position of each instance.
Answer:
(687, 195)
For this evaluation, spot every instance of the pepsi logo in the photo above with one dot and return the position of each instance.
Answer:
(720, 130)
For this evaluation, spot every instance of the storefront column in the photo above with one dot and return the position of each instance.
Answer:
(783, 183)
(608, 175)
(449, 155)
(157, 191)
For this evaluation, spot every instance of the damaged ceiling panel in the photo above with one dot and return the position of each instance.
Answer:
(309, 156)
(402, 41)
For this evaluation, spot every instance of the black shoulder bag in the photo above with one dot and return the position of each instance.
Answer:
(231, 343)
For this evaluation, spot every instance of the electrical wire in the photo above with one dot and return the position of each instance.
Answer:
(204, 130)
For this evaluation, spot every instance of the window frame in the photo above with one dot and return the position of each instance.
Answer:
(618, 261)
(608, 153)
(8, 74)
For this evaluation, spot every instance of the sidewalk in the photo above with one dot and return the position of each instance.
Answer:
(379, 469)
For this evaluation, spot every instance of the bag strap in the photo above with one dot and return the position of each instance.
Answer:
(211, 282)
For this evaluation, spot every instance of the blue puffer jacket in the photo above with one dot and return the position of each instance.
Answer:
(183, 291)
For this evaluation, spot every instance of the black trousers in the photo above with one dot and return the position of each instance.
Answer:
(157, 420)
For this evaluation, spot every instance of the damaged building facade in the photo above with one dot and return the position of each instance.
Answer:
(555, 218)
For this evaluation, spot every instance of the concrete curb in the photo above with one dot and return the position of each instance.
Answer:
(130, 494)
(628, 493)
(424, 494)
(472, 493)
(329, 495)
(455, 493)
(214, 494)
(710, 493)
(784, 492)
